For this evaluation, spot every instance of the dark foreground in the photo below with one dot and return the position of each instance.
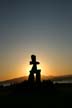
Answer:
(45, 93)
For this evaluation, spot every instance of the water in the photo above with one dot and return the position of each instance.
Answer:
(63, 81)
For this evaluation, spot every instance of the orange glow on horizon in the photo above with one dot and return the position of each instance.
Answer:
(20, 68)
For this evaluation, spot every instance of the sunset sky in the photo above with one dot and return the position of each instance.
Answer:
(40, 27)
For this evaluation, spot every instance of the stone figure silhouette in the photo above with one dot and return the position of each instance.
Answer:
(34, 70)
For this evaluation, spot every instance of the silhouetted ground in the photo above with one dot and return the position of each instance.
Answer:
(44, 93)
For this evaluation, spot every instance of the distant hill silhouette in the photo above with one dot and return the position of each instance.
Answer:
(53, 78)
(14, 80)
(64, 77)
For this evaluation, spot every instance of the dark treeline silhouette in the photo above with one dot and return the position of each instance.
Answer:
(44, 92)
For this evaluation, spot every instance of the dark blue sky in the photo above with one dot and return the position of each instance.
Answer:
(43, 27)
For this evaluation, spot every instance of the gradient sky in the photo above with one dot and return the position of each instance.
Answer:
(41, 27)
